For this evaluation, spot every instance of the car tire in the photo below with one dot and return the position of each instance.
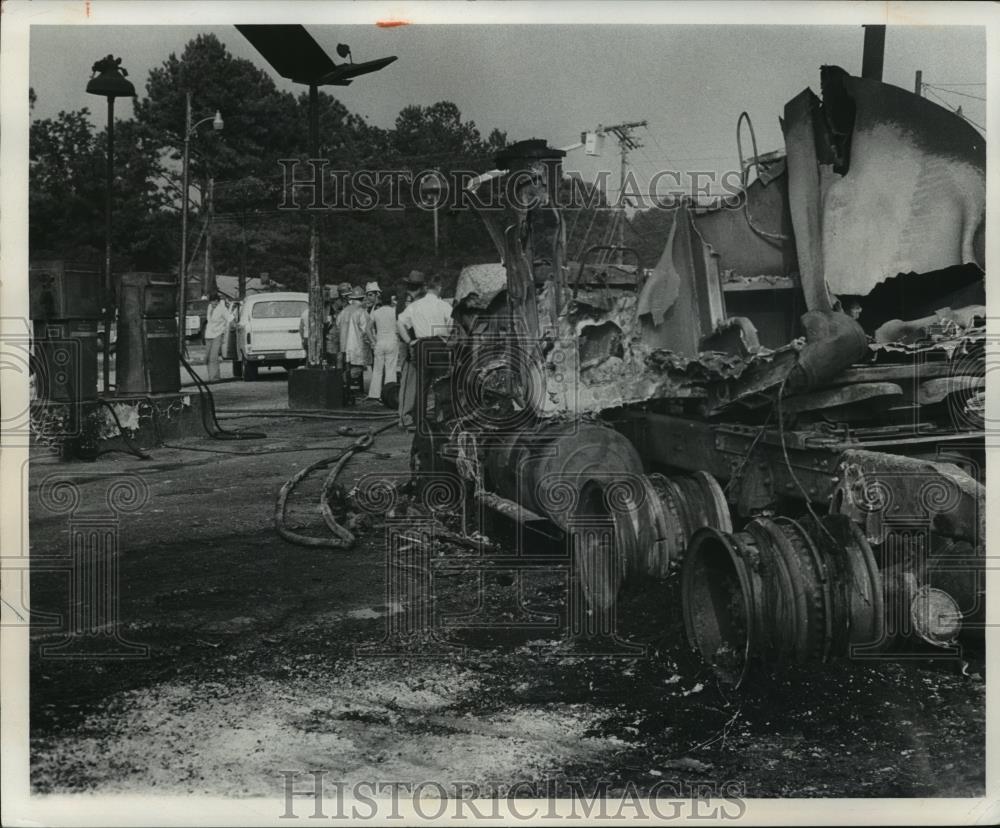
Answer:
(249, 372)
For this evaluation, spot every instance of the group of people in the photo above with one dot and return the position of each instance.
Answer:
(403, 342)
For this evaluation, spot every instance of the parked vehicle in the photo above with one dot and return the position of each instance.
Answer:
(267, 333)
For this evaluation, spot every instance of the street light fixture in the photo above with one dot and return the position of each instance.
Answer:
(189, 130)
(432, 187)
(109, 81)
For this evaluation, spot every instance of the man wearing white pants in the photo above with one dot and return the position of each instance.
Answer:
(385, 343)
(215, 333)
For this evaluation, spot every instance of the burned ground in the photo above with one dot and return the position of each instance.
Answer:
(253, 669)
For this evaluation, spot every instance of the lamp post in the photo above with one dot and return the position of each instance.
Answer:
(109, 81)
(431, 187)
(189, 130)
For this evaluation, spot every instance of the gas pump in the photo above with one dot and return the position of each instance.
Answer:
(64, 302)
(148, 360)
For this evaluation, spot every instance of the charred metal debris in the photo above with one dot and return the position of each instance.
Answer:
(786, 408)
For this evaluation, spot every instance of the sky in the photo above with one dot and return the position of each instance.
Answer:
(690, 82)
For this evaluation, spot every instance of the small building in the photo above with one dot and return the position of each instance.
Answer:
(229, 286)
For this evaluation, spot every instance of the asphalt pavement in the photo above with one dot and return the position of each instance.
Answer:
(261, 655)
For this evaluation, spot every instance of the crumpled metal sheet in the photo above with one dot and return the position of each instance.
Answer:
(682, 301)
(613, 381)
(660, 291)
(949, 344)
(877, 487)
(485, 280)
(945, 323)
(641, 372)
(897, 185)
(706, 366)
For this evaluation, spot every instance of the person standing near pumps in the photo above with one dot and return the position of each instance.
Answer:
(407, 378)
(424, 328)
(383, 336)
(331, 330)
(216, 326)
(353, 323)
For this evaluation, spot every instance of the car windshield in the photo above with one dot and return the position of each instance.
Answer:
(279, 309)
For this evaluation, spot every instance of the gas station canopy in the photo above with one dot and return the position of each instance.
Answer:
(295, 55)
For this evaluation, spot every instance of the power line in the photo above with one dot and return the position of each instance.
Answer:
(659, 146)
(956, 111)
(954, 92)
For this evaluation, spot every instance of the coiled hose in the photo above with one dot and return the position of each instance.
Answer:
(343, 539)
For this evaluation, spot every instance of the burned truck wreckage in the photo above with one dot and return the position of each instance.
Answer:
(785, 412)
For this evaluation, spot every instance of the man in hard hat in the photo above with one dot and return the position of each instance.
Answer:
(353, 322)
(340, 303)
(372, 294)
(333, 305)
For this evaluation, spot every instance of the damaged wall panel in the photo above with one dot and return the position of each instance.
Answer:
(897, 185)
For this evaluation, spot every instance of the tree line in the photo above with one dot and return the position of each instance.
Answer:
(236, 178)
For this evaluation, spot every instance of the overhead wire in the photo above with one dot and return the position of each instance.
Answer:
(659, 146)
(953, 92)
(953, 109)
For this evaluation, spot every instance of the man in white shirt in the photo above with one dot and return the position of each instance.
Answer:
(384, 339)
(426, 316)
(424, 326)
(215, 333)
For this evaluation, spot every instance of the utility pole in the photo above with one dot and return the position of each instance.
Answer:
(314, 353)
(626, 143)
(918, 83)
(242, 282)
(189, 129)
(182, 274)
(208, 277)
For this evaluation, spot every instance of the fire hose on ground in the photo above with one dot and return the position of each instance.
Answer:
(344, 539)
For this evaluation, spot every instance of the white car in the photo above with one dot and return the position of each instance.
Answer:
(267, 333)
